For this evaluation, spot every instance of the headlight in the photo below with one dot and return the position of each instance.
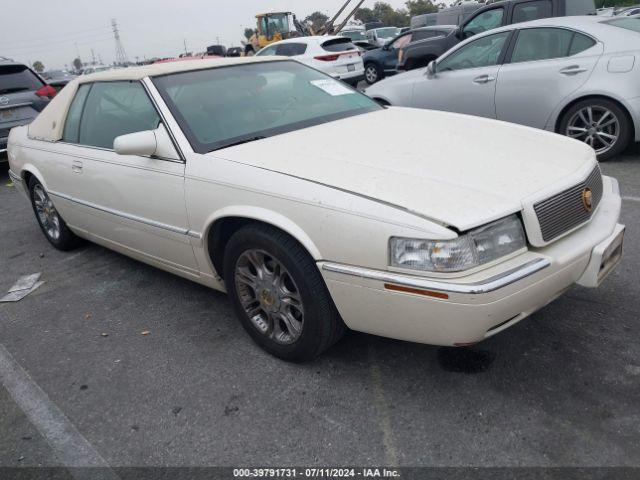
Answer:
(474, 248)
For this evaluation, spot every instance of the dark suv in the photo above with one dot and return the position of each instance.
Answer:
(494, 15)
(23, 94)
(382, 62)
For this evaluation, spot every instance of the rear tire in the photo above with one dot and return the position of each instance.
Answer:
(372, 73)
(279, 295)
(51, 223)
(599, 123)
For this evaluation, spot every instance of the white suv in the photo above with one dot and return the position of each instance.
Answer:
(335, 56)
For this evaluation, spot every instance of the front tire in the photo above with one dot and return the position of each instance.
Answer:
(51, 223)
(279, 295)
(599, 123)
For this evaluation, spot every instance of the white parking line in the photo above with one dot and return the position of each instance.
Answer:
(631, 199)
(70, 447)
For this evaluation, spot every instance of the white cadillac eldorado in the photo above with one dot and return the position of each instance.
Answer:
(316, 208)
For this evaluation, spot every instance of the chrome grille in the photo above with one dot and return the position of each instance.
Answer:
(565, 210)
(4, 132)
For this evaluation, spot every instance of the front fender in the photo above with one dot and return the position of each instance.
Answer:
(263, 215)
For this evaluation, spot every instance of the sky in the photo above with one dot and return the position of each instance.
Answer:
(49, 30)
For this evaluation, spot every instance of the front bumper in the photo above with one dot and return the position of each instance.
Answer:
(457, 311)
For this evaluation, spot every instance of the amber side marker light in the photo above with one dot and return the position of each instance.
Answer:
(416, 291)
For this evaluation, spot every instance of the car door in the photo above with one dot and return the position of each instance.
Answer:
(487, 20)
(390, 54)
(129, 202)
(546, 65)
(465, 79)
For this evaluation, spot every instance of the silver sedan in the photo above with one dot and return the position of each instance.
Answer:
(578, 76)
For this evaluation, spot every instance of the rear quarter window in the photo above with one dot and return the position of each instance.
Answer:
(338, 45)
(18, 78)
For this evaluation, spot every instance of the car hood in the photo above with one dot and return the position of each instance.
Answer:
(455, 169)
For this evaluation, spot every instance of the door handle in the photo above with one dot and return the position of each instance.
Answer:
(572, 70)
(482, 79)
(76, 166)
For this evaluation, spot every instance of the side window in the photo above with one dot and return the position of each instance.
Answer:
(401, 41)
(541, 44)
(482, 52)
(72, 122)
(291, 49)
(580, 43)
(524, 12)
(113, 109)
(421, 35)
(483, 22)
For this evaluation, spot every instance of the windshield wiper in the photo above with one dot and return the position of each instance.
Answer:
(13, 90)
(240, 142)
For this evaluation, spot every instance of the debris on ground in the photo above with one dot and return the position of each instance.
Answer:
(10, 184)
(23, 287)
(146, 332)
(104, 334)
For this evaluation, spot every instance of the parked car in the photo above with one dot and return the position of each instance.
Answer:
(354, 35)
(269, 193)
(96, 69)
(58, 78)
(627, 12)
(235, 51)
(457, 14)
(488, 17)
(381, 36)
(333, 55)
(217, 50)
(576, 76)
(23, 94)
(424, 20)
(382, 62)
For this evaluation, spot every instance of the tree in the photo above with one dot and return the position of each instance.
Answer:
(248, 33)
(420, 7)
(317, 19)
(365, 15)
(614, 3)
(38, 66)
(77, 64)
(387, 15)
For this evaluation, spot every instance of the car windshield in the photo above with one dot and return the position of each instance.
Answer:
(389, 32)
(223, 106)
(629, 23)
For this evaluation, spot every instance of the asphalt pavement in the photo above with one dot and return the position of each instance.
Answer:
(561, 388)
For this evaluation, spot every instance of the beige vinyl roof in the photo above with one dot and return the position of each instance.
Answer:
(49, 124)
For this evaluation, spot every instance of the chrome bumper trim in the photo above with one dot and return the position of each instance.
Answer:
(489, 285)
(14, 178)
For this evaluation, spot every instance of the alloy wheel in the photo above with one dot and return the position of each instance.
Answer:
(371, 74)
(597, 126)
(47, 214)
(269, 296)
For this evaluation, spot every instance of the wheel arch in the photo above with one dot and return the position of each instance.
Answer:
(27, 172)
(617, 101)
(225, 222)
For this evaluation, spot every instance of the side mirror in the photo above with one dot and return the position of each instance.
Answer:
(138, 143)
(147, 143)
(431, 69)
(458, 33)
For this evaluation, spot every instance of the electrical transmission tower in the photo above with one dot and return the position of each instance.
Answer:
(121, 55)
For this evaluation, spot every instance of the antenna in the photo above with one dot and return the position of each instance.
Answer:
(121, 55)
